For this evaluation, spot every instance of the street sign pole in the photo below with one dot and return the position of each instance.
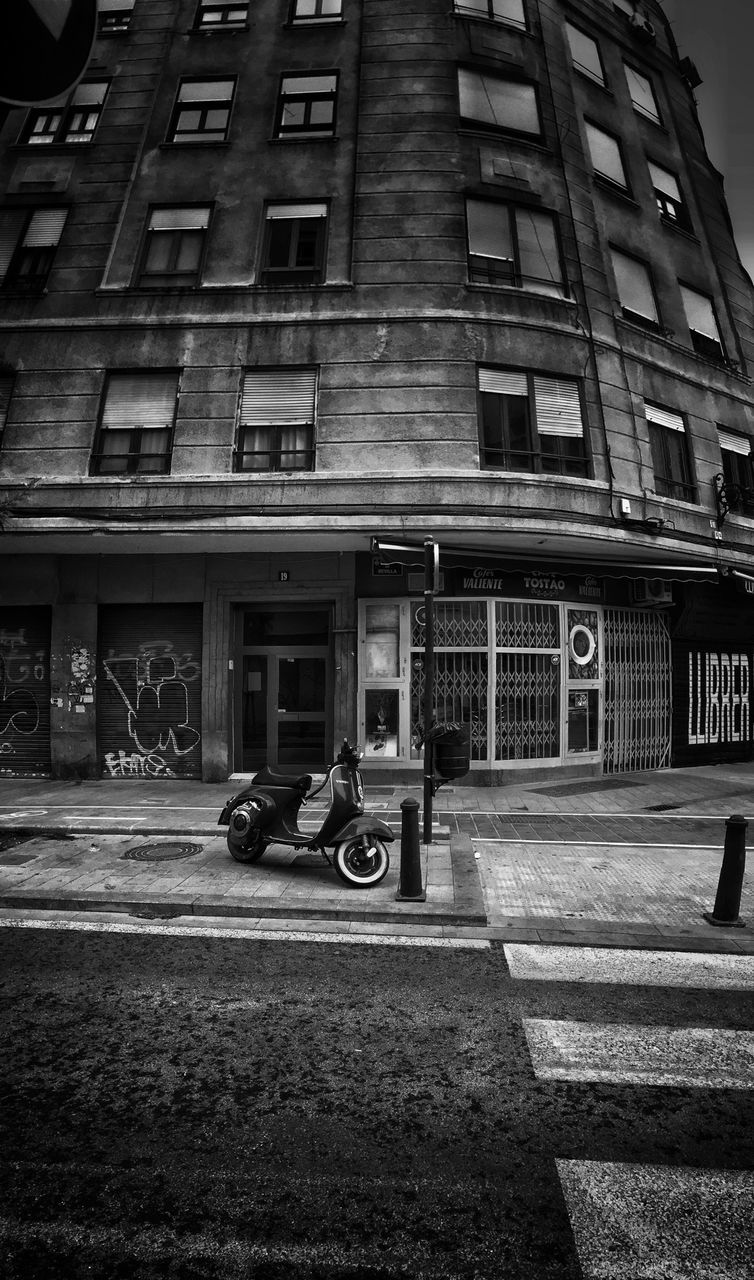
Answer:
(430, 586)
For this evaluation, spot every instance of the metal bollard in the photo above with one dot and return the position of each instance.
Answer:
(410, 883)
(728, 899)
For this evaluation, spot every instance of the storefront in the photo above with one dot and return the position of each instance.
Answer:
(547, 669)
(24, 692)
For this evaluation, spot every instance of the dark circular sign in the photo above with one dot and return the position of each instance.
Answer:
(168, 851)
(44, 48)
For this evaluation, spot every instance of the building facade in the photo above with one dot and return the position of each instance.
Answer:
(282, 276)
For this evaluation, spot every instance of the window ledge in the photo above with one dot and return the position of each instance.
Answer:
(307, 23)
(186, 146)
(471, 128)
(590, 79)
(309, 137)
(681, 231)
(497, 24)
(241, 29)
(612, 189)
(517, 292)
(49, 148)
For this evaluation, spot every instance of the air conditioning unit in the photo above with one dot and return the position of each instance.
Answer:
(651, 591)
(642, 27)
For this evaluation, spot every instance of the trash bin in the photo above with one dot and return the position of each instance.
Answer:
(451, 752)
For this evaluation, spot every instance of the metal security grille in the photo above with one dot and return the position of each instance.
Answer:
(527, 701)
(638, 704)
(461, 667)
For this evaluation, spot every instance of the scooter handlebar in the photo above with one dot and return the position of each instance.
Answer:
(348, 754)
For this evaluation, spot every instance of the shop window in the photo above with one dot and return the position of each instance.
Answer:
(585, 54)
(642, 94)
(306, 106)
(276, 420)
(606, 155)
(702, 322)
(512, 245)
(293, 250)
(135, 434)
(72, 119)
(668, 195)
(489, 102)
(28, 242)
(174, 246)
(530, 422)
(114, 16)
(202, 111)
(211, 16)
(511, 12)
(670, 455)
(316, 11)
(738, 470)
(635, 290)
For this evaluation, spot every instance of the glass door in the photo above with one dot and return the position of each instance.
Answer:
(301, 718)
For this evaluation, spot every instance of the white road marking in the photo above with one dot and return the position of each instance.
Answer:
(542, 963)
(590, 844)
(644, 1222)
(613, 1053)
(250, 934)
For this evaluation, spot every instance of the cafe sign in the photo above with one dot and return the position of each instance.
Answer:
(539, 584)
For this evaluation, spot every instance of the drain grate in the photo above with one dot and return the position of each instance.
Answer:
(170, 851)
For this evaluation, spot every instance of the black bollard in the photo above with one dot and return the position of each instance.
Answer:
(728, 899)
(410, 883)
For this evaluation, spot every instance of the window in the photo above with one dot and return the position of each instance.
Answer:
(530, 422)
(174, 246)
(510, 11)
(317, 10)
(635, 290)
(738, 470)
(136, 427)
(670, 202)
(276, 421)
(607, 159)
(202, 111)
(210, 15)
(114, 16)
(702, 322)
(6, 390)
(642, 94)
(306, 106)
(488, 102)
(294, 244)
(28, 240)
(585, 54)
(70, 119)
(670, 458)
(514, 246)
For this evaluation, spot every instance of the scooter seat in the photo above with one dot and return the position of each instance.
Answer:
(301, 781)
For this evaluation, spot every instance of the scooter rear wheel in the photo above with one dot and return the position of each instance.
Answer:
(361, 867)
(250, 850)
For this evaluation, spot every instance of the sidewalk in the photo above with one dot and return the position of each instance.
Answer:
(623, 860)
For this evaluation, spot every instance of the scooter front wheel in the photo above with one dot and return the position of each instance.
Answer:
(361, 861)
(250, 849)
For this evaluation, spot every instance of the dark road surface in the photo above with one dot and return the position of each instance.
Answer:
(191, 1108)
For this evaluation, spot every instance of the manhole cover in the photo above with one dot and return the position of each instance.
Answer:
(167, 852)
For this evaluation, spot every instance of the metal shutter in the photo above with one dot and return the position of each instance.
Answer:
(149, 691)
(24, 693)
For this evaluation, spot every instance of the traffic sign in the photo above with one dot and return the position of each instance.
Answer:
(44, 48)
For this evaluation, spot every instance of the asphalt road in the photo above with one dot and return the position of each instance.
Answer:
(197, 1107)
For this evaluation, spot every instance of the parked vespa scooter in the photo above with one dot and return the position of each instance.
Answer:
(266, 812)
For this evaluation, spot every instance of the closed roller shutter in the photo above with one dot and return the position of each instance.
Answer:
(24, 693)
(149, 691)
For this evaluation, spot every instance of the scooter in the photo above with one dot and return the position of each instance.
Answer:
(266, 812)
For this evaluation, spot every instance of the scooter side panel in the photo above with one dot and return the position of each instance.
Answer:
(364, 826)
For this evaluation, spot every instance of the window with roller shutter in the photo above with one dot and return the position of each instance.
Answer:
(276, 420)
(28, 241)
(135, 434)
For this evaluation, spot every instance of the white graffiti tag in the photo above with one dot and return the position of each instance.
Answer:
(152, 686)
(133, 765)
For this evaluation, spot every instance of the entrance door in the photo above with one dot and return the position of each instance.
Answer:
(282, 714)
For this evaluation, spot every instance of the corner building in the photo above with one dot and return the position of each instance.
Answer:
(282, 276)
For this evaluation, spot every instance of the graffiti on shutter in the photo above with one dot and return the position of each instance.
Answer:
(24, 693)
(150, 696)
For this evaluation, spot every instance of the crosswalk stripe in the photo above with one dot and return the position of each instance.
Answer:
(644, 1222)
(542, 963)
(613, 1053)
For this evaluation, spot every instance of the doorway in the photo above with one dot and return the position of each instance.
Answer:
(282, 711)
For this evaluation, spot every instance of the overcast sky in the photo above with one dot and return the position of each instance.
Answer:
(718, 36)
